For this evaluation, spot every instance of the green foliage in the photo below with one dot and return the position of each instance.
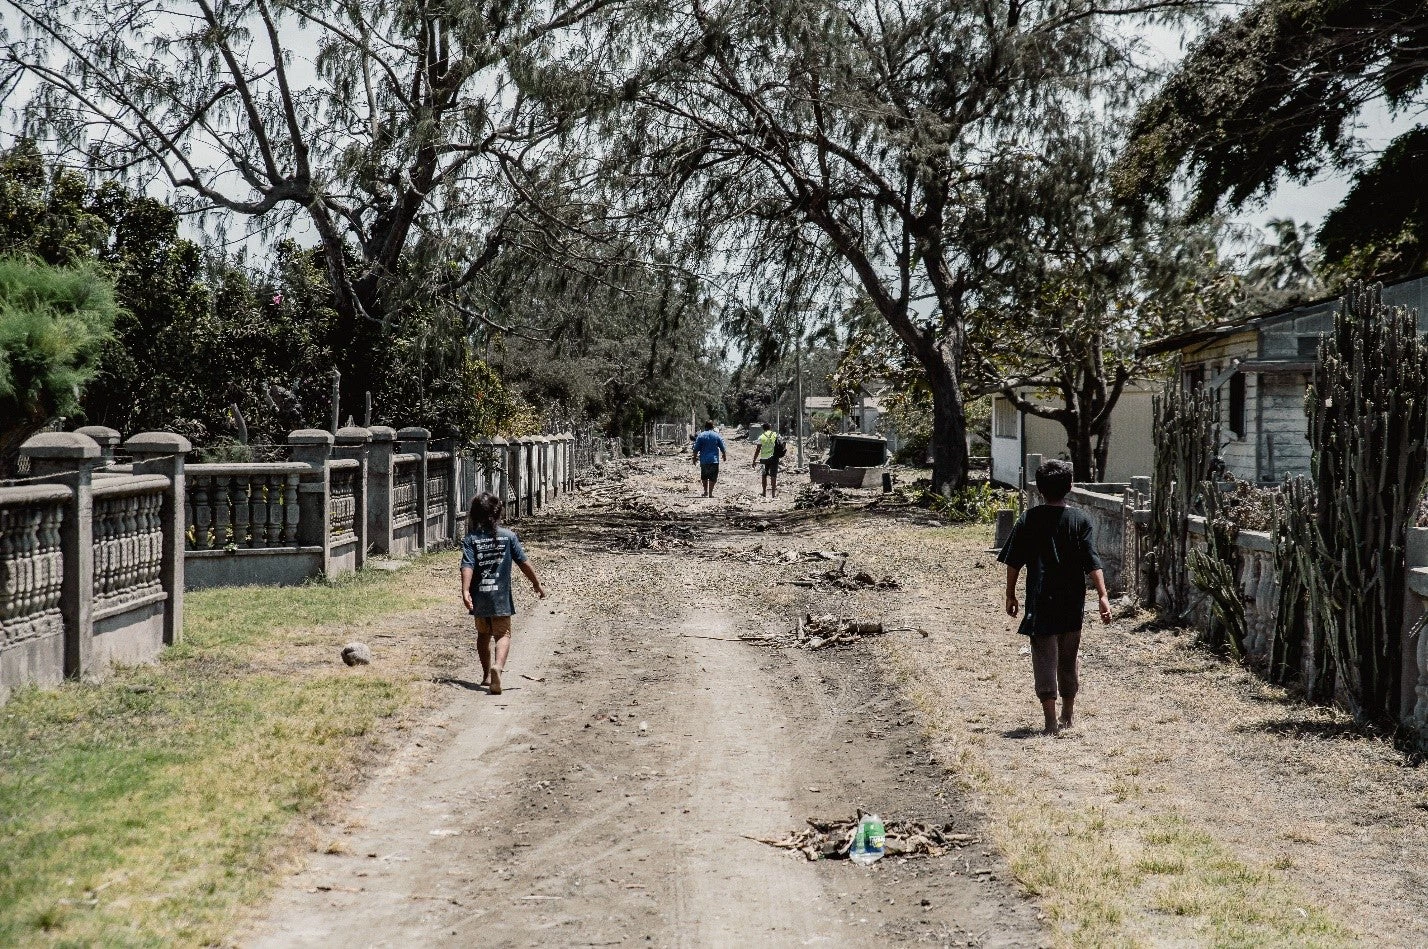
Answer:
(1381, 227)
(53, 324)
(1215, 572)
(1274, 91)
(977, 503)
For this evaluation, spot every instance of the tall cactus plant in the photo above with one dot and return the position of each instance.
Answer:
(1184, 456)
(1368, 410)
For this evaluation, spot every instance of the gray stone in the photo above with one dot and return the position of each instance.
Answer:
(356, 654)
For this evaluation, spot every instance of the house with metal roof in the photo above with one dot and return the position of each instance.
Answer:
(1258, 368)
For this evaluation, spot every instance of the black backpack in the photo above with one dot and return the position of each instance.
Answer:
(780, 446)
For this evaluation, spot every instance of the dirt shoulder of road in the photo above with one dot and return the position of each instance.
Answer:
(1193, 804)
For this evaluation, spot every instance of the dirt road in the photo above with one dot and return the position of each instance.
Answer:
(611, 795)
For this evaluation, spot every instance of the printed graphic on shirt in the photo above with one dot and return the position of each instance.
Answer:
(490, 554)
(489, 558)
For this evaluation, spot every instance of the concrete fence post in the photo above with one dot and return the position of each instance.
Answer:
(313, 447)
(496, 461)
(1028, 479)
(515, 475)
(69, 458)
(529, 474)
(379, 488)
(454, 472)
(166, 453)
(106, 438)
(354, 443)
(540, 471)
(415, 441)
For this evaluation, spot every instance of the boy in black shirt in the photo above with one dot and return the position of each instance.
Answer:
(1054, 543)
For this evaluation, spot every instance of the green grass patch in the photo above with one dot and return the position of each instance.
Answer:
(147, 810)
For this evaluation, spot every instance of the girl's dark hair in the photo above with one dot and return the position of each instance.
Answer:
(484, 515)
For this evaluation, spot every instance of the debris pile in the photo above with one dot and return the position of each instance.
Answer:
(819, 632)
(762, 554)
(830, 840)
(817, 496)
(657, 538)
(840, 579)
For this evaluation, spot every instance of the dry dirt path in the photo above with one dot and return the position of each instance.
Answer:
(609, 796)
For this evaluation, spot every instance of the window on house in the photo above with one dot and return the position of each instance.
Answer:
(1003, 418)
(1237, 405)
(1194, 378)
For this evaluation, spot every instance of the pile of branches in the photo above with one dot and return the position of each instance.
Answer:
(831, 840)
(840, 579)
(819, 496)
(820, 632)
(657, 538)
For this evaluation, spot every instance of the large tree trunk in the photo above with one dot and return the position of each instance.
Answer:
(949, 429)
(1078, 448)
(1102, 449)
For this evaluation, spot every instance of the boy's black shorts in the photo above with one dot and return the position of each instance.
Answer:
(770, 466)
(709, 471)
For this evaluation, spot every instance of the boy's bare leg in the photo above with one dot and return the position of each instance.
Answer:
(1048, 709)
(1066, 705)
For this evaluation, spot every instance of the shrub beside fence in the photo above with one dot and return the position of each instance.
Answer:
(98, 544)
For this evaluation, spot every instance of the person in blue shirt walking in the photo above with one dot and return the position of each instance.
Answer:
(709, 449)
(487, 553)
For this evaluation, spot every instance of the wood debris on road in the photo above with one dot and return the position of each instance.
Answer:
(830, 840)
(820, 632)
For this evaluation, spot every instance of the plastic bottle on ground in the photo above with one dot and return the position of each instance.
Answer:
(868, 841)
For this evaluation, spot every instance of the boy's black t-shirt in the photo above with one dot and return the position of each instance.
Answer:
(1054, 544)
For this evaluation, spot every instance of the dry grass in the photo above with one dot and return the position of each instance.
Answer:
(149, 809)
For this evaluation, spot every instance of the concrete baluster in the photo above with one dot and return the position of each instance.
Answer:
(105, 437)
(355, 443)
(379, 488)
(164, 453)
(415, 441)
(69, 458)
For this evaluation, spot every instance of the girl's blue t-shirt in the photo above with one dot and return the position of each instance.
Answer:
(490, 557)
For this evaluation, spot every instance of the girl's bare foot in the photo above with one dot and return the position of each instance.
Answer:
(495, 682)
(1064, 723)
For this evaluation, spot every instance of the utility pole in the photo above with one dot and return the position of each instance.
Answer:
(798, 386)
(336, 401)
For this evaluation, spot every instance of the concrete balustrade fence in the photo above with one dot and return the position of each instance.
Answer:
(98, 545)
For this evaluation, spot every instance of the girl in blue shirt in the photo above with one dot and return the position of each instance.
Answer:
(487, 552)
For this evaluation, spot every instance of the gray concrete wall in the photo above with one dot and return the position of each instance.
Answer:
(241, 568)
(95, 554)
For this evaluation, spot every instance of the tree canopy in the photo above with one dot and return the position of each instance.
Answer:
(1276, 90)
(887, 138)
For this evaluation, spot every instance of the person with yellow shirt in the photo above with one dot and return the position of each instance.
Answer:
(766, 453)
